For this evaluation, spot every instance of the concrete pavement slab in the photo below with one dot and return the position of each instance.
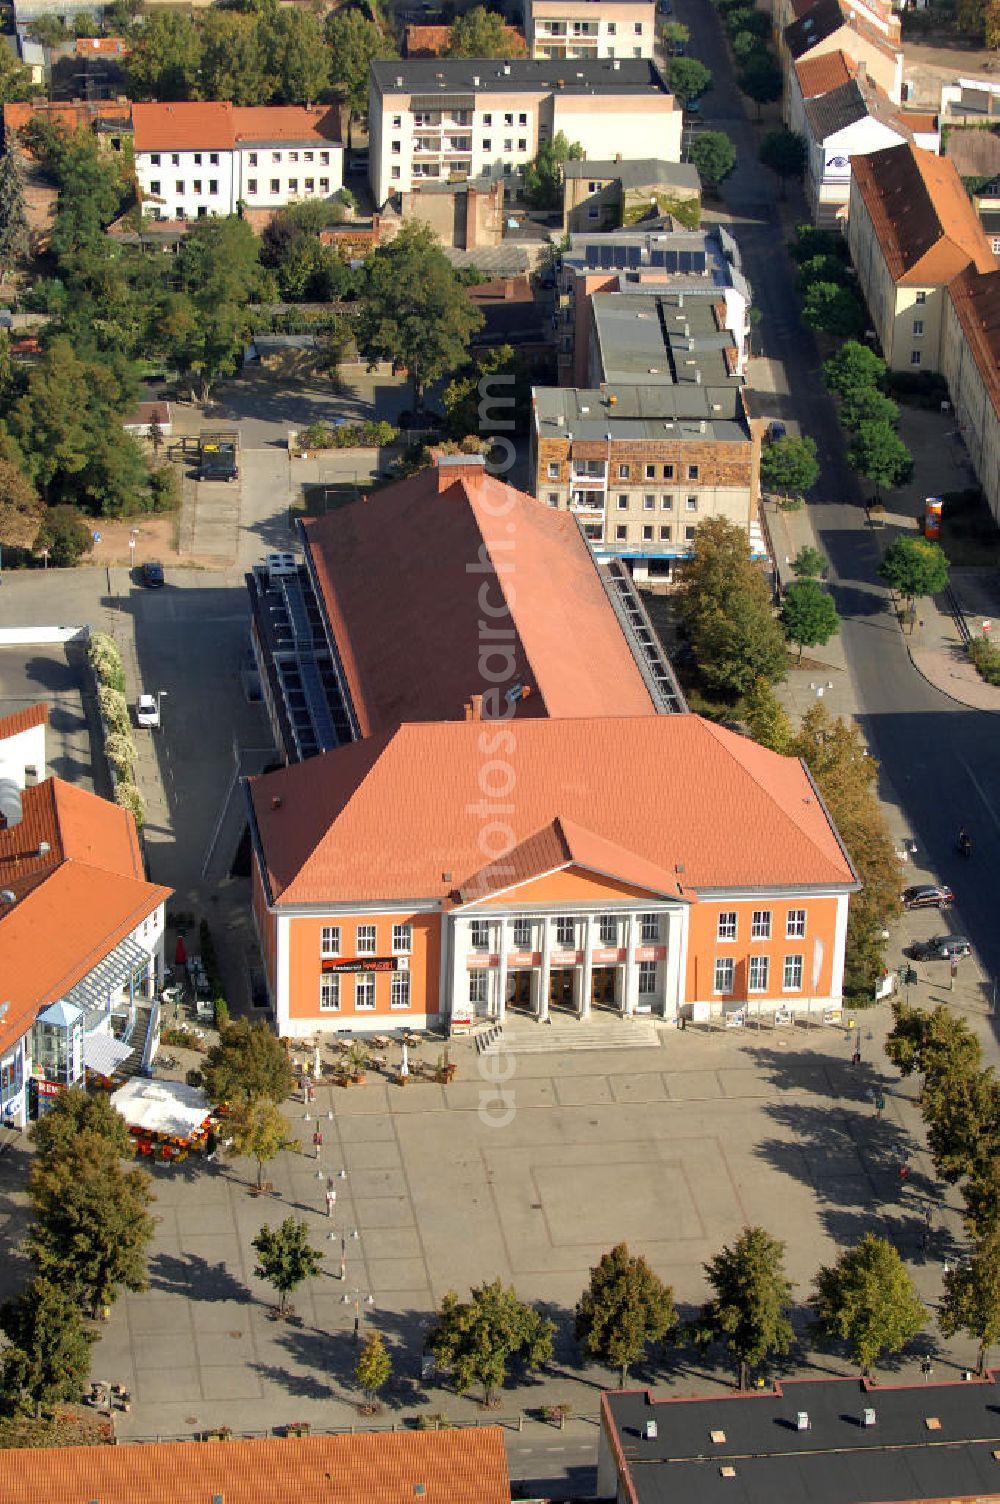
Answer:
(583, 1091)
(236, 1382)
(381, 1213)
(371, 1128)
(697, 1085)
(646, 1088)
(399, 1274)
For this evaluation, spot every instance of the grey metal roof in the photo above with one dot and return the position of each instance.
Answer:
(835, 1459)
(671, 339)
(648, 170)
(435, 75)
(690, 260)
(640, 412)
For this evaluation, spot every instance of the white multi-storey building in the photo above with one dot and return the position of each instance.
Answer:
(590, 28)
(447, 120)
(195, 158)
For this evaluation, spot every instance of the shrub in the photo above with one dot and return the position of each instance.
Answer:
(66, 536)
(164, 489)
(221, 1011)
(366, 435)
(106, 661)
(120, 752)
(986, 657)
(193, 1078)
(114, 709)
(129, 797)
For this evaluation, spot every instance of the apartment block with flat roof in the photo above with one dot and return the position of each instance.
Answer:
(590, 28)
(444, 120)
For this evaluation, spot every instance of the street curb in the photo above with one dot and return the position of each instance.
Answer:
(948, 694)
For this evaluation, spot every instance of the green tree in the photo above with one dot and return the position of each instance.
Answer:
(15, 79)
(674, 34)
(784, 153)
(21, 512)
(165, 60)
(971, 1301)
(354, 43)
(248, 1064)
(233, 62)
(297, 59)
(483, 33)
(543, 175)
(766, 718)
(725, 606)
(373, 1368)
(490, 395)
(15, 240)
(285, 1258)
(825, 268)
(867, 1300)
(877, 452)
(853, 369)
(624, 1309)
(931, 1042)
(476, 1339)
(808, 614)
(868, 405)
(846, 777)
(981, 1195)
(760, 79)
(77, 1111)
(833, 309)
(809, 563)
(789, 465)
(714, 155)
(748, 1312)
(961, 1109)
(257, 1128)
(49, 1354)
(413, 311)
(914, 566)
(92, 1225)
(66, 535)
(688, 79)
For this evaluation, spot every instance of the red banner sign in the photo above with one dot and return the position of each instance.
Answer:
(362, 963)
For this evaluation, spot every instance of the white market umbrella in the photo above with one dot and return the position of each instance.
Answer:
(404, 1065)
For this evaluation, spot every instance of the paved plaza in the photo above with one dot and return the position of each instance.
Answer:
(672, 1148)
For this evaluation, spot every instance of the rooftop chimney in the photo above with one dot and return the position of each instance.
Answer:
(452, 468)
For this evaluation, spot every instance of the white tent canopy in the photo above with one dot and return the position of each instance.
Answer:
(169, 1107)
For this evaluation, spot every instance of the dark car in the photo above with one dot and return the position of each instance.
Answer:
(942, 948)
(928, 896)
(152, 573)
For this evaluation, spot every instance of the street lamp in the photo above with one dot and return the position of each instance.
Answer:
(131, 550)
(819, 690)
(45, 557)
(332, 1237)
(359, 1300)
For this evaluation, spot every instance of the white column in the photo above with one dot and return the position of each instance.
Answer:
(631, 965)
(459, 952)
(588, 965)
(543, 979)
(673, 981)
(501, 977)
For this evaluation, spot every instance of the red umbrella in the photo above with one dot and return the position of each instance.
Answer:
(180, 952)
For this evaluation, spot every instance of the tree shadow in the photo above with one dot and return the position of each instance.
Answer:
(195, 1278)
(847, 1160)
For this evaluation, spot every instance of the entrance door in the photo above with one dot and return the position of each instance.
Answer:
(519, 989)
(602, 987)
(561, 988)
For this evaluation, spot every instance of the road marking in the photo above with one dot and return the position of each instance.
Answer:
(979, 790)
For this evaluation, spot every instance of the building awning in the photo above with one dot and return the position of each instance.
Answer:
(113, 971)
(103, 1054)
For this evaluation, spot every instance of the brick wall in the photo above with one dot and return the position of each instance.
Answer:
(720, 463)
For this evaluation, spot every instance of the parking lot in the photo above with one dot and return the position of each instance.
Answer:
(56, 674)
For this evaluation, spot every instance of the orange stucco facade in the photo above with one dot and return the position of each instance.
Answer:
(421, 963)
(817, 946)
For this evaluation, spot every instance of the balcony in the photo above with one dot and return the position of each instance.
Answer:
(587, 504)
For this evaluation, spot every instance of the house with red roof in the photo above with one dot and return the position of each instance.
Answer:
(195, 158)
(494, 798)
(81, 930)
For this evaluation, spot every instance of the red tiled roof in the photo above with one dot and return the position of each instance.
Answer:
(102, 47)
(923, 220)
(23, 720)
(418, 651)
(427, 41)
(73, 902)
(147, 413)
(217, 125)
(565, 844)
(976, 299)
(76, 115)
(819, 75)
(455, 1467)
(399, 816)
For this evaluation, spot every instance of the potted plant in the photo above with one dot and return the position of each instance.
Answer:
(445, 1067)
(356, 1060)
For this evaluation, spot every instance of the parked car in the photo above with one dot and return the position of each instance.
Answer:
(928, 896)
(152, 573)
(775, 430)
(147, 711)
(942, 948)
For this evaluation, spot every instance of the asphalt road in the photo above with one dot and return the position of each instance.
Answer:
(939, 760)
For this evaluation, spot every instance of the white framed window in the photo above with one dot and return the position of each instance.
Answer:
(154, 188)
(666, 503)
(366, 939)
(479, 934)
(488, 118)
(668, 472)
(553, 497)
(795, 924)
(638, 28)
(276, 156)
(395, 172)
(648, 503)
(364, 993)
(622, 502)
(522, 934)
(324, 185)
(324, 159)
(399, 990)
(522, 119)
(915, 357)
(479, 985)
(293, 185)
(921, 298)
(154, 158)
(649, 928)
(689, 533)
(175, 159)
(487, 143)
(759, 968)
(918, 328)
(647, 978)
(792, 977)
(397, 124)
(647, 535)
(692, 472)
(650, 472)
(621, 532)
(213, 159)
(691, 504)
(275, 185)
(565, 931)
(197, 159)
(309, 156)
(760, 925)
(329, 940)
(666, 533)
(251, 185)
(553, 470)
(624, 472)
(522, 143)
(329, 994)
(608, 929)
(402, 939)
(727, 925)
(725, 970)
(252, 159)
(179, 187)
(612, 28)
(213, 185)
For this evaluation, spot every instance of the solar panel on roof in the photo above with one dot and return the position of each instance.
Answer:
(670, 260)
(607, 256)
(592, 254)
(634, 254)
(684, 261)
(657, 258)
(698, 261)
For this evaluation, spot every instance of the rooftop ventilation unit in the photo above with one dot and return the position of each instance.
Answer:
(802, 1420)
(650, 1432)
(868, 1416)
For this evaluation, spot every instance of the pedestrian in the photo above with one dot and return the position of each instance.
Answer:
(310, 1092)
(856, 1057)
(904, 1172)
(879, 1105)
(317, 1141)
(331, 1200)
(211, 1144)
